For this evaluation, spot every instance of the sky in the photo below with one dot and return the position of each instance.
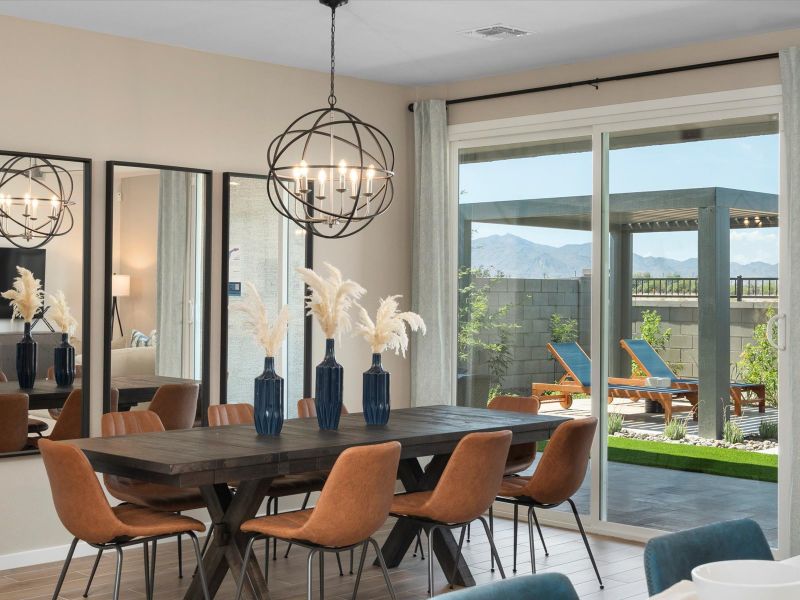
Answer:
(749, 163)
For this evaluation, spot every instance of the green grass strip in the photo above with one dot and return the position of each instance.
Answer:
(727, 462)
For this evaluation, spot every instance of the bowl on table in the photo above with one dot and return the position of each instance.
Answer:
(746, 580)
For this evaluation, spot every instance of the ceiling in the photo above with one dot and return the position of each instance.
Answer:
(417, 42)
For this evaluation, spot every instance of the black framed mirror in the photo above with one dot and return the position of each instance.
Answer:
(45, 227)
(158, 284)
(264, 248)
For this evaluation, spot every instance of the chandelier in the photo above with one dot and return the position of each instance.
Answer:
(330, 172)
(35, 200)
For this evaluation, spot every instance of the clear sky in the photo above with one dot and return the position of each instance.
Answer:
(742, 163)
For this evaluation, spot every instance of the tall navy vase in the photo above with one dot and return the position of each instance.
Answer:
(64, 362)
(268, 400)
(376, 393)
(26, 360)
(329, 389)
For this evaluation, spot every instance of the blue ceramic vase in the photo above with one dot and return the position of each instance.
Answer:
(329, 389)
(64, 362)
(268, 400)
(26, 360)
(376, 393)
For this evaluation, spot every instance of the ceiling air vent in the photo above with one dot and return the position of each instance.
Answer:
(497, 31)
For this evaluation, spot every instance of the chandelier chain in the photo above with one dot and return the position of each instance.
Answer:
(332, 95)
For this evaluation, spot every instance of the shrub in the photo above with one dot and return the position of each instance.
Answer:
(768, 430)
(675, 429)
(758, 362)
(615, 422)
(732, 433)
(654, 334)
(563, 329)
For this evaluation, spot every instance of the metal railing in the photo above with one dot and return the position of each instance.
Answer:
(686, 287)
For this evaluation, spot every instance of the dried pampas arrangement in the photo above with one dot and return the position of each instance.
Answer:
(268, 335)
(388, 331)
(26, 296)
(60, 314)
(330, 299)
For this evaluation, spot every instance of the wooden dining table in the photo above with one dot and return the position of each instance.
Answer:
(210, 458)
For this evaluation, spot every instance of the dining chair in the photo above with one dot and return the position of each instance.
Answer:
(464, 492)
(68, 424)
(84, 510)
(51, 375)
(670, 558)
(176, 405)
(307, 408)
(36, 426)
(154, 496)
(549, 586)
(353, 505)
(13, 422)
(557, 477)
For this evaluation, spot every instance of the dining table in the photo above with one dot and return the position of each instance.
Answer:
(212, 458)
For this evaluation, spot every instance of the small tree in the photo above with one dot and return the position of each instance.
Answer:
(758, 362)
(563, 329)
(654, 334)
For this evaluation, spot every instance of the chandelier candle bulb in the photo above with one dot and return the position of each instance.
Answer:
(353, 183)
(321, 184)
(53, 207)
(34, 207)
(342, 172)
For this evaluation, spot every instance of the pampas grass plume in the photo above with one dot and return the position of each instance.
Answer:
(26, 296)
(268, 335)
(388, 330)
(330, 299)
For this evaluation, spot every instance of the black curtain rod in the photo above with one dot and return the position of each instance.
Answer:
(598, 80)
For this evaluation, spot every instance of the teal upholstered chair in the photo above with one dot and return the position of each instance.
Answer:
(546, 586)
(670, 558)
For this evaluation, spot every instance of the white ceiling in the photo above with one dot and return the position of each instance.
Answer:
(417, 41)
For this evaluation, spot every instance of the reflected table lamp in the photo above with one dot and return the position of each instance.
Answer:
(120, 288)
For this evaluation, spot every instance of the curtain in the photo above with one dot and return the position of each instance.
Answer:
(433, 293)
(790, 78)
(174, 217)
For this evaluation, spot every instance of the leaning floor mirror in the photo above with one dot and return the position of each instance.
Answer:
(263, 250)
(45, 252)
(157, 290)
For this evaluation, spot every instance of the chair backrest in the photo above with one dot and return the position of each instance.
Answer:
(573, 360)
(13, 422)
(3, 378)
(357, 496)
(520, 456)
(647, 358)
(471, 479)
(68, 424)
(176, 405)
(307, 407)
(670, 558)
(552, 586)
(51, 372)
(562, 468)
(79, 500)
(130, 422)
(230, 414)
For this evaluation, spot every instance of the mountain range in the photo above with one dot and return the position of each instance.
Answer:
(520, 258)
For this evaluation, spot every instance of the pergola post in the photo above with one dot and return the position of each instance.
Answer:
(621, 302)
(713, 353)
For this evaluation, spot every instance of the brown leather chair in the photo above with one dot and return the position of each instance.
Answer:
(34, 425)
(353, 505)
(176, 405)
(13, 422)
(68, 425)
(464, 492)
(51, 375)
(307, 407)
(83, 509)
(557, 477)
(230, 414)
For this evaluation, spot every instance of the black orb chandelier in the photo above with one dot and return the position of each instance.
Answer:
(35, 201)
(330, 172)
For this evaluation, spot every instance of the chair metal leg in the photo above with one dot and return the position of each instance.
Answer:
(469, 531)
(458, 555)
(118, 574)
(421, 551)
(352, 552)
(64, 568)
(275, 540)
(303, 507)
(530, 540)
(383, 568)
(516, 528)
(200, 570)
(148, 591)
(539, 529)
(492, 546)
(153, 567)
(248, 551)
(309, 582)
(585, 541)
(208, 538)
(94, 570)
(360, 568)
(339, 562)
(491, 530)
(430, 561)
(321, 560)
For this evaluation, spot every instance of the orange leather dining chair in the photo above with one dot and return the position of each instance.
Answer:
(51, 375)
(13, 422)
(33, 425)
(176, 405)
(154, 496)
(353, 505)
(464, 492)
(68, 424)
(84, 511)
(557, 477)
(307, 407)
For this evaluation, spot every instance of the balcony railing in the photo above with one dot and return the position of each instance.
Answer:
(686, 287)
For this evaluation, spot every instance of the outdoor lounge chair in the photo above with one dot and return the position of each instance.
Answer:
(649, 361)
(577, 380)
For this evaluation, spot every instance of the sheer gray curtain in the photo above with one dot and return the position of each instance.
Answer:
(174, 212)
(433, 276)
(790, 78)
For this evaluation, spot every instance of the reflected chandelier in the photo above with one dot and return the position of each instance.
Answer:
(35, 200)
(330, 172)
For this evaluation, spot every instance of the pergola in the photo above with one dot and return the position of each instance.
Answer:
(712, 212)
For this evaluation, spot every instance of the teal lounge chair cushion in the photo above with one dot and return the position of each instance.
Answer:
(577, 361)
(650, 359)
(546, 586)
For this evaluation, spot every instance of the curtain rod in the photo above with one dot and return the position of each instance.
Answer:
(598, 80)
